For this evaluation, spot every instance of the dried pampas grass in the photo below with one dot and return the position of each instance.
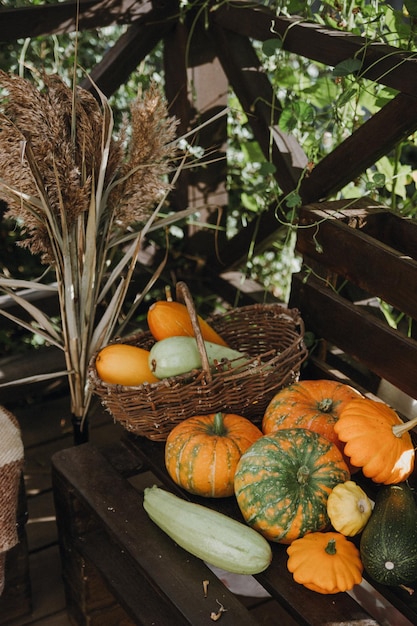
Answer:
(57, 151)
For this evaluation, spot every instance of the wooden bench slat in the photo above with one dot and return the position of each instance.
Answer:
(357, 332)
(361, 258)
(139, 598)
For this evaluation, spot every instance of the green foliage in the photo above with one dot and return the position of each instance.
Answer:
(320, 106)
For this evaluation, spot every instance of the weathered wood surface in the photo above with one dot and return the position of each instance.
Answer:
(102, 500)
(132, 47)
(34, 591)
(377, 266)
(357, 332)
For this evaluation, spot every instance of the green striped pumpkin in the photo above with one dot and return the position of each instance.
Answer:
(283, 480)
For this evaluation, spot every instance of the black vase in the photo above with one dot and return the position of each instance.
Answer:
(80, 430)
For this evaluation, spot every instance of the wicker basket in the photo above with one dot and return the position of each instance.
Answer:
(270, 334)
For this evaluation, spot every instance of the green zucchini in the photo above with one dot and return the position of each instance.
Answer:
(208, 534)
(388, 544)
(178, 355)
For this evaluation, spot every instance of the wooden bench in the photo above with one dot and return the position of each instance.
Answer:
(119, 568)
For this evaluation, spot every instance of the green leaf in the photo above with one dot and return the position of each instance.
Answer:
(252, 151)
(271, 46)
(293, 200)
(379, 179)
(288, 120)
(249, 202)
(298, 112)
(323, 91)
(346, 96)
(349, 66)
(305, 112)
(267, 168)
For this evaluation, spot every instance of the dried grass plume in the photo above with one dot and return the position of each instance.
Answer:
(55, 145)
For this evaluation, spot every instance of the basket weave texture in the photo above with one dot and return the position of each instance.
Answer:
(270, 334)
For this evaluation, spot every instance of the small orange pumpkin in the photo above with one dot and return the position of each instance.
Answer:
(377, 440)
(202, 452)
(167, 318)
(325, 562)
(311, 404)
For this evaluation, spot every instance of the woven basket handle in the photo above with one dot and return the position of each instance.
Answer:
(184, 295)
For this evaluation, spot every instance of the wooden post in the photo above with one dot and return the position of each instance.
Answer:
(197, 90)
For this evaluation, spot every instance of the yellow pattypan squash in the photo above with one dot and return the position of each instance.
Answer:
(348, 508)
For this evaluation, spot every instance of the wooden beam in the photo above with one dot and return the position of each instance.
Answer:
(130, 49)
(33, 21)
(251, 85)
(176, 90)
(376, 267)
(356, 332)
(396, 121)
(381, 63)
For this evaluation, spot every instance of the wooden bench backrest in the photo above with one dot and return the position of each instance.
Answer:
(359, 258)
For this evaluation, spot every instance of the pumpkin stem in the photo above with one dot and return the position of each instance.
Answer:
(168, 294)
(218, 425)
(325, 405)
(303, 474)
(331, 547)
(399, 429)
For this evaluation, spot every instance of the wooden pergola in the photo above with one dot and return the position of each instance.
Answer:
(210, 47)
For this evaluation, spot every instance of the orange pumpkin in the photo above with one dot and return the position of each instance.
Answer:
(325, 562)
(202, 452)
(311, 404)
(377, 440)
(167, 318)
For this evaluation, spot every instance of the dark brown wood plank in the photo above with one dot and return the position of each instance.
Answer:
(356, 332)
(176, 90)
(251, 85)
(48, 19)
(374, 139)
(373, 218)
(137, 596)
(381, 63)
(394, 230)
(130, 49)
(16, 600)
(353, 254)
